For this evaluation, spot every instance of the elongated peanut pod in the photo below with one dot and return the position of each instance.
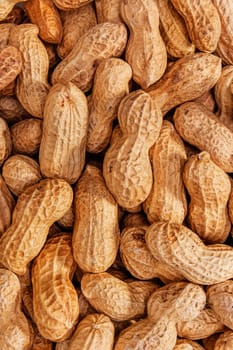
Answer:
(37, 208)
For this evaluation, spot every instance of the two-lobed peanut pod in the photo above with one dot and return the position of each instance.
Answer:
(63, 144)
(96, 232)
(55, 300)
(127, 169)
(37, 208)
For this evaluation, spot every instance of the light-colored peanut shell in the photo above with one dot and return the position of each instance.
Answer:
(5, 141)
(145, 52)
(209, 188)
(185, 344)
(225, 341)
(101, 41)
(44, 14)
(95, 237)
(37, 208)
(26, 136)
(178, 85)
(70, 4)
(167, 199)
(95, 331)
(32, 84)
(7, 204)
(182, 249)
(108, 11)
(76, 23)
(63, 143)
(117, 299)
(126, 168)
(55, 300)
(5, 30)
(10, 65)
(202, 22)
(19, 172)
(201, 128)
(173, 30)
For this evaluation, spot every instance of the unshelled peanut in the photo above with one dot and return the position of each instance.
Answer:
(7, 204)
(10, 65)
(5, 141)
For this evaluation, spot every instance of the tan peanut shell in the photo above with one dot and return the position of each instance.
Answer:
(16, 333)
(37, 208)
(26, 136)
(224, 47)
(182, 249)
(76, 23)
(67, 221)
(139, 261)
(5, 141)
(70, 4)
(7, 204)
(134, 219)
(230, 204)
(32, 84)
(19, 172)
(101, 41)
(202, 21)
(209, 188)
(145, 52)
(108, 11)
(225, 341)
(224, 97)
(6, 6)
(10, 109)
(63, 143)
(55, 300)
(185, 344)
(44, 14)
(201, 128)
(220, 299)
(5, 30)
(15, 16)
(10, 65)
(177, 84)
(126, 168)
(173, 30)
(85, 307)
(95, 237)
(95, 331)
(207, 99)
(167, 199)
(115, 298)
(111, 84)
(202, 326)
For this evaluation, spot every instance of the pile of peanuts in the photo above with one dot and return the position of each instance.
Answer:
(116, 161)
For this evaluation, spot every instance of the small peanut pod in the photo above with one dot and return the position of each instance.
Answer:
(32, 85)
(185, 344)
(224, 97)
(173, 30)
(202, 21)
(115, 298)
(75, 24)
(5, 141)
(220, 299)
(138, 259)
(44, 14)
(145, 52)
(26, 136)
(127, 169)
(63, 144)
(15, 329)
(70, 4)
(11, 110)
(209, 188)
(224, 47)
(183, 250)
(202, 326)
(108, 11)
(178, 86)
(37, 208)
(6, 6)
(111, 84)
(5, 30)
(95, 331)
(167, 199)
(6, 206)
(201, 128)
(10, 65)
(101, 41)
(225, 341)
(20, 172)
(96, 232)
(55, 300)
